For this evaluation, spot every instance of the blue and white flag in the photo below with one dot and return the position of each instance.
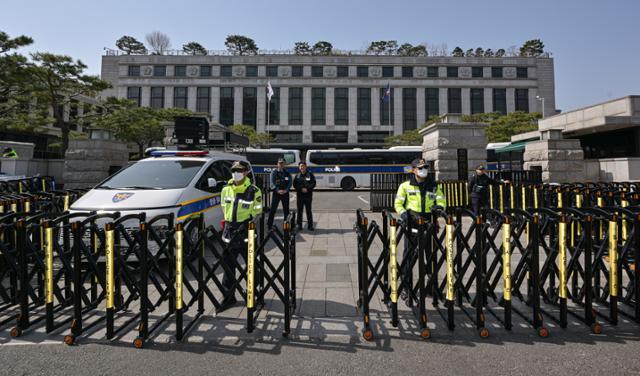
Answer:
(387, 93)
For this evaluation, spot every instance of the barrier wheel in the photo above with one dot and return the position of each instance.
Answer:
(543, 332)
(15, 332)
(69, 339)
(367, 334)
(138, 343)
(425, 333)
(484, 333)
(596, 328)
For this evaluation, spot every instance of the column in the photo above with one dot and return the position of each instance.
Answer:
(237, 105)
(284, 105)
(191, 98)
(353, 114)
(330, 102)
(511, 100)
(466, 100)
(146, 96)
(442, 97)
(397, 111)
(420, 107)
(534, 104)
(261, 116)
(215, 104)
(306, 114)
(488, 100)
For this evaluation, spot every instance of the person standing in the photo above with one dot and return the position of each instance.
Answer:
(280, 185)
(304, 184)
(241, 202)
(419, 194)
(479, 189)
(9, 153)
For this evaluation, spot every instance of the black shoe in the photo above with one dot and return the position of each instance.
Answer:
(226, 304)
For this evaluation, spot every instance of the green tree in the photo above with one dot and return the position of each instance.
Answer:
(501, 52)
(194, 48)
(60, 80)
(130, 45)
(256, 140)
(302, 48)
(241, 45)
(407, 49)
(457, 52)
(383, 47)
(533, 47)
(322, 48)
(489, 53)
(469, 53)
(479, 52)
(502, 127)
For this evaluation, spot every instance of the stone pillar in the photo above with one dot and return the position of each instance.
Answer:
(421, 116)
(215, 104)
(353, 114)
(261, 116)
(87, 162)
(561, 160)
(397, 111)
(191, 98)
(511, 99)
(237, 105)
(466, 100)
(306, 107)
(375, 106)
(145, 94)
(442, 140)
(284, 105)
(488, 100)
(442, 98)
(330, 103)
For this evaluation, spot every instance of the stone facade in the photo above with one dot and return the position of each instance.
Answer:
(561, 160)
(87, 162)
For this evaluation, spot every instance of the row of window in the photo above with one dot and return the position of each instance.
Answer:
(318, 71)
(340, 103)
(329, 137)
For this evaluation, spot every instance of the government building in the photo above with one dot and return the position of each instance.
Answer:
(332, 101)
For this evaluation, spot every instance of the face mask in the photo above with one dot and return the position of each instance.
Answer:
(423, 173)
(237, 176)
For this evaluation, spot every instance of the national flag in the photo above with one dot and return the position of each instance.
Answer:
(387, 93)
(269, 91)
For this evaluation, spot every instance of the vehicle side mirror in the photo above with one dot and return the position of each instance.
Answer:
(212, 183)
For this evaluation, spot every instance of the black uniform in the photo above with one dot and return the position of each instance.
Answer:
(479, 191)
(308, 181)
(280, 180)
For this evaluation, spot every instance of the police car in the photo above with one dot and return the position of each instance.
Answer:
(182, 183)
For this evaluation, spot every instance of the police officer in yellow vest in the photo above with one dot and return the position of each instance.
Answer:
(419, 194)
(241, 202)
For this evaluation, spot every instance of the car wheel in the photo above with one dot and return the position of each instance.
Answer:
(348, 184)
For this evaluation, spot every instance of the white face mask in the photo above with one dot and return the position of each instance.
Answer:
(423, 173)
(237, 176)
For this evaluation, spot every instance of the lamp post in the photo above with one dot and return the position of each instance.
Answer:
(541, 99)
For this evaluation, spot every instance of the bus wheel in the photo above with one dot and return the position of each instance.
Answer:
(348, 184)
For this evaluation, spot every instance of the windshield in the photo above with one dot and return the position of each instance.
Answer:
(154, 174)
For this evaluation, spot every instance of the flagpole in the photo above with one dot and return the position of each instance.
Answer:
(268, 116)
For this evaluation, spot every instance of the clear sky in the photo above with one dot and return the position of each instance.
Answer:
(595, 43)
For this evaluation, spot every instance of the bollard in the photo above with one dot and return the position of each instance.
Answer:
(393, 271)
(501, 199)
(65, 205)
(48, 276)
(535, 197)
(559, 194)
(450, 229)
(110, 280)
(625, 231)
(512, 198)
(506, 271)
(613, 269)
(491, 196)
(562, 270)
(178, 287)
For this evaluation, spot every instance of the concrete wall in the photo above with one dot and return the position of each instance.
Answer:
(613, 169)
(87, 162)
(24, 149)
(561, 161)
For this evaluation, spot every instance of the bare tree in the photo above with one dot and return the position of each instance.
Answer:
(512, 51)
(433, 49)
(159, 42)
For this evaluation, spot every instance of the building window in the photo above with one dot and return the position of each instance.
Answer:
(496, 72)
(477, 72)
(343, 71)
(362, 71)
(274, 107)
(226, 105)
(203, 99)
(372, 137)
(341, 106)
(180, 97)
(249, 105)
(157, 97)
(387, 71)
(385, 106)
(407, 71)
(522, 100)
(287, 137)
(452, 72)
(522, 72)
(454, 101)
(272, 71)
(500, 101)
(180, 70)
(205, 71)
(317, 71)
(134, 94)
(133, 70)
(295, 106)
(477, 101)
(296, 71)
(225, 71)
(252, 71)
(364, 106)
(329, 137)
(409, 117)
(432, 71)
(159, 70)
(318, 106)
(432, 102)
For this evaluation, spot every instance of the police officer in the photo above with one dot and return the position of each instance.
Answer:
(304, 183)
(479, 189)
(280, 185)
(419, 194)
(9, 153)
(241, 202)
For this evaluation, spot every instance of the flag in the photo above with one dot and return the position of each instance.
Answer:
(387, 93)
(269, 91)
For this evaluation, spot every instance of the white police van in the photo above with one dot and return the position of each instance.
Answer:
(182, 183)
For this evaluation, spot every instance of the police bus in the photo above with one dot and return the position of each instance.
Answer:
(350, 169)
(264, 161)
(493, 162)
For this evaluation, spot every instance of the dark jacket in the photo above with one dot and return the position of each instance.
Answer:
(308, 180)
(479, 186)
(280, 180)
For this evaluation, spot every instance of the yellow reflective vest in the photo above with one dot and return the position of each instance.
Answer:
(240, 202)
(411, 197)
